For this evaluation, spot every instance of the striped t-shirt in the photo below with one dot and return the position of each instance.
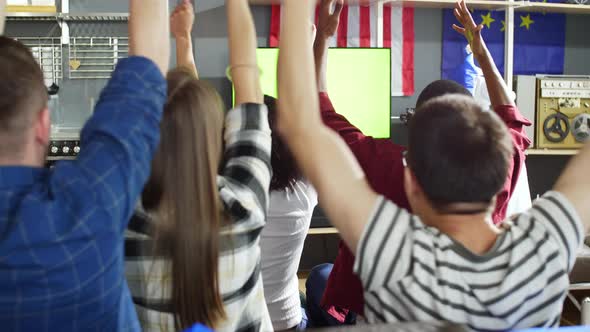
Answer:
(243, 188)
(412, 272)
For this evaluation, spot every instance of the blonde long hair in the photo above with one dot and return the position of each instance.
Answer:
(182, 192)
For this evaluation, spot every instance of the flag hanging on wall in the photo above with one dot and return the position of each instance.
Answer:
(358, 28)
(539, 41)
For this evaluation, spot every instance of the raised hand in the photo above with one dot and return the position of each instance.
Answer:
(469, 29)
(497, 89)
(182, 19)
(328, 22)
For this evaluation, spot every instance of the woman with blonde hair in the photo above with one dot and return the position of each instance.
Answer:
(192, 252)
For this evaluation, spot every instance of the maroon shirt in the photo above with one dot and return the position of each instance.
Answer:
(381, 160)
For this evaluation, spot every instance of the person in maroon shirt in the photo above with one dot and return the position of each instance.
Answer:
(381, 159)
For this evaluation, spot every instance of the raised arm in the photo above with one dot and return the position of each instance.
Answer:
(323, 156)
(121, 137)
(181, 26)
(327, 26)
(499, 93)
(242, 52)
(149, 32)
(575, 184)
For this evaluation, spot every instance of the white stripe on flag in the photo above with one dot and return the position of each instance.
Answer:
(374, 22)
(333, 41)
(354, 27)
(397, 51)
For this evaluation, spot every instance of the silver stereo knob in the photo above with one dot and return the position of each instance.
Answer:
(65, 150)
(76, 149)
(54, 149)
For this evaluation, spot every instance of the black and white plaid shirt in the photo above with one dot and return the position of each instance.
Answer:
(243, 187)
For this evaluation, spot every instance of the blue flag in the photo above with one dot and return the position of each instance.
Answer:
(539, 42)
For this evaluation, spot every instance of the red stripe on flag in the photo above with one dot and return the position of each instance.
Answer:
(365, 26)
(408, 45)
(343, 28)
(387, 26)
(275, 26)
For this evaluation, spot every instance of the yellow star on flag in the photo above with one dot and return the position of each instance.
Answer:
(503, 26)
(487, 19)
(526, 21)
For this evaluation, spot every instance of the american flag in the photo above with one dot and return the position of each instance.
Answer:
(358, 28)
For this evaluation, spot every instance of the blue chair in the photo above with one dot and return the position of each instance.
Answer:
(199, 328)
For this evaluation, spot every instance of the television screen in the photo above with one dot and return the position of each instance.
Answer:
(359, 85)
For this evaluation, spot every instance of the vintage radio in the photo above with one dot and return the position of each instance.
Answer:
(64, 144)
(563, 112)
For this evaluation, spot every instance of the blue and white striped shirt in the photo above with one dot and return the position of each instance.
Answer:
(412, 272)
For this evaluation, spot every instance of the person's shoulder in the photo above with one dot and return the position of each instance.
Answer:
(555, 214)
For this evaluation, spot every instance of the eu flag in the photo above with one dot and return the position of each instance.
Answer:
(539, 41)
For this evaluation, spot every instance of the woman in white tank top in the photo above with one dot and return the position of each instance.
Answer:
(292, 201)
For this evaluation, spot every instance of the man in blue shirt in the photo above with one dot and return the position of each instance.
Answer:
(61, 230)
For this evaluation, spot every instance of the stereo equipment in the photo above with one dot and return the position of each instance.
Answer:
(64, 144)
(563, 112)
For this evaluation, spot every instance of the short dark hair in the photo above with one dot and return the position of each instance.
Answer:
(22, 94)
(284, 167)
(440, 88)
(457, 151)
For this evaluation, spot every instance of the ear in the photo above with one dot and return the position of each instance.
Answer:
(412, 187)
(43, 127)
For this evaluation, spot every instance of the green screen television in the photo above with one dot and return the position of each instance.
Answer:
(359, 85)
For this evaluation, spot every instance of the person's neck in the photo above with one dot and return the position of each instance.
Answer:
(23, 161)
(475, 232)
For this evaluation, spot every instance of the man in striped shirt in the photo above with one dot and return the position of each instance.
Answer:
(382, 164)
(447, 262)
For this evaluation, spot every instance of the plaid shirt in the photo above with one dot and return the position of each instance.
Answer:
(243, 188)
(61, 230)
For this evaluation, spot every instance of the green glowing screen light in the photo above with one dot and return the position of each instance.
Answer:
(359, 85)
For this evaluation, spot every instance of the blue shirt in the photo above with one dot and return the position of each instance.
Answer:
(62, 230)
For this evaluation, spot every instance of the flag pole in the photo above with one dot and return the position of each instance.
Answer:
(509, 45)
(380, 34)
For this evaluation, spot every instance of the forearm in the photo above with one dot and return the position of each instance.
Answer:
(575, 185)
(320, 49)
(341, 184)
(185, 53)
(323, 157)
(296, 73)
(121, 136)
(149, 31)
(242, 52)
(497, 89)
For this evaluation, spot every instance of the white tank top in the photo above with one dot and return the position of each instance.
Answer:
(282, 243)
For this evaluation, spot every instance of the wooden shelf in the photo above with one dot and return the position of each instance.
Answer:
(547, 152)
(543, 7)
(278, 2)
(41, 16)
(475, 4)
(31, 9)
(322, 231)
(519, 5)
